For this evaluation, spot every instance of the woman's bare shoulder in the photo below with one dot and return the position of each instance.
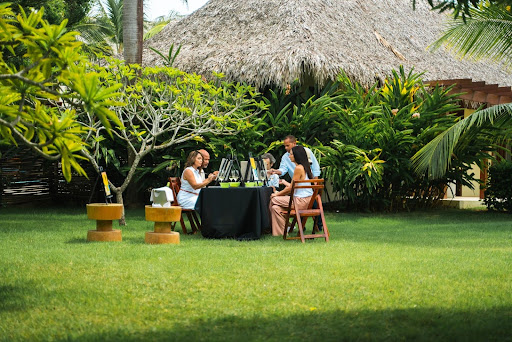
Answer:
(299, 167)
(299, 172)
(188, 172)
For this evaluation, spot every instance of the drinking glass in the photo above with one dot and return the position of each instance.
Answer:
(234, 175)
(262, 175)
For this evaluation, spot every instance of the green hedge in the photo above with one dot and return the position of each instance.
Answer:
(498, 194)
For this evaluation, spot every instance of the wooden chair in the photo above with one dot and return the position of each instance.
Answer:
(300, 216)
(175, 185)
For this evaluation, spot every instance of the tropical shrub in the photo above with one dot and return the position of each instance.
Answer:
(378, 131)
(498, 190)
(364, 138)
(292, 110)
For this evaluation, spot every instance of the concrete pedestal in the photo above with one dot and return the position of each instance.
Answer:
(104, 214)
(162, 229)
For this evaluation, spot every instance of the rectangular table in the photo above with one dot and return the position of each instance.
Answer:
(240, 213)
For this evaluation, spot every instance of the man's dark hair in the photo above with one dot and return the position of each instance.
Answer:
(291, 138)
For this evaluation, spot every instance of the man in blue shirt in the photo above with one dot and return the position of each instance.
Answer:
(287, 166)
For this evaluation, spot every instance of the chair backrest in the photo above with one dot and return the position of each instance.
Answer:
(175, 185)
(317, 185)
(300, 215)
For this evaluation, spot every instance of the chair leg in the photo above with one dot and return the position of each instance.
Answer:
(192, 222)
(196, 220)
(325, 229)
(289, 227)
(300, 226)
(292, 226)
(304, 220)
(183, 227)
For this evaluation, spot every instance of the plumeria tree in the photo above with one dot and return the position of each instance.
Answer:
(166, 107)
(42, 98)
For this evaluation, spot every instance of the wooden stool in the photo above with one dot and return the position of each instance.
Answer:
(104, 214)
(163, 217)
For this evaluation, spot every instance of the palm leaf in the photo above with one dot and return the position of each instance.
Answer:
(156, 29)
(484, 35)
(435, 157)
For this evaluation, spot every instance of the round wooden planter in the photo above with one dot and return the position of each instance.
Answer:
(104, 214)
(162, 229)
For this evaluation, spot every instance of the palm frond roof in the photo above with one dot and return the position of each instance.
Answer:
(274, 42)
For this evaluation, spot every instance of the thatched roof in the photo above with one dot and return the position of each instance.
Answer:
(263, 42)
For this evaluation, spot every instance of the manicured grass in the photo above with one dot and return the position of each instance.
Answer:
(437, 275)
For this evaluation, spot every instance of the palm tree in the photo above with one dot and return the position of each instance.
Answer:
(484, 34)
(490, 126)
(460, 8)
(102, 31)
(152, 28)
(133, 30)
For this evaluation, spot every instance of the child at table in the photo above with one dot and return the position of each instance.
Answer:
(269, 160)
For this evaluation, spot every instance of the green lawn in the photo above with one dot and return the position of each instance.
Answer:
(437, 275)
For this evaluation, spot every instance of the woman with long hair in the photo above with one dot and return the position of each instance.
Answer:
(279, 200)
(191, 181)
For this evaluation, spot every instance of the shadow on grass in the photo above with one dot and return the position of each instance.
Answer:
(406, 324)
(13, 298)
(78, 241)
(134, 240)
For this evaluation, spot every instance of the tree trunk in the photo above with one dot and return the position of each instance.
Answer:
(131, 194)
(133, 31)
(119, 199)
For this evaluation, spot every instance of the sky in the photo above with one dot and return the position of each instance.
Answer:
(157, 8)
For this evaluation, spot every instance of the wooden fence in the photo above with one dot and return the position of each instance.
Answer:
(26, 178)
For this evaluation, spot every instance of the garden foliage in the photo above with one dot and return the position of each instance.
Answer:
(364, 138)
(498, 190)
(42, 98)
(165, 109)
(378, 131)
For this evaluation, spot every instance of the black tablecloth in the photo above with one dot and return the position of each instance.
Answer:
(240, 213)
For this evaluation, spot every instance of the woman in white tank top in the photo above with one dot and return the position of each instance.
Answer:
(191, 181)
(279, 200)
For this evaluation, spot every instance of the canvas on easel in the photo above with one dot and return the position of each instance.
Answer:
(262, 171)
(225, 169)
(254, 168)
(244, 169)
(108, 194)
